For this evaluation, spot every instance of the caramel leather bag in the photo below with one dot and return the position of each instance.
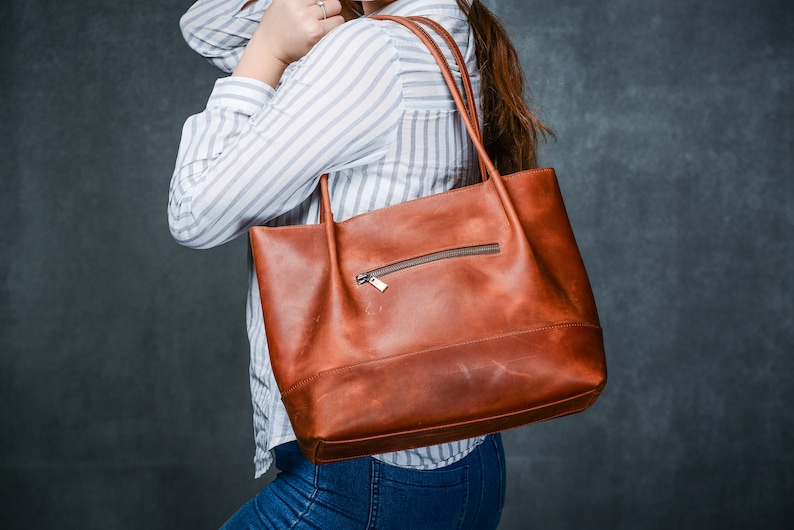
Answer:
(443, 318)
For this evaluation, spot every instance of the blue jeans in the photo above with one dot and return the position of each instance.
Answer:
(368, 494)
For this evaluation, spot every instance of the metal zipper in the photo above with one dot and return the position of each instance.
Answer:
(373, 277)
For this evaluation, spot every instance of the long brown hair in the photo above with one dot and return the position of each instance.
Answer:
(511, 132)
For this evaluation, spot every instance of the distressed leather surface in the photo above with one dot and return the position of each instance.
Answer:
(453, 348)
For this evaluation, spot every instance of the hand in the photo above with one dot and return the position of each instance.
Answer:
(287, 31)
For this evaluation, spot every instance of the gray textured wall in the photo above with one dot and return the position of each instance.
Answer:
(123, 369)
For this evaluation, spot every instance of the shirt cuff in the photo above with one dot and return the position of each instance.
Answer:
(252, 12)
(243, 94)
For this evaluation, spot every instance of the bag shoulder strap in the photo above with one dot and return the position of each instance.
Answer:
(468, 113)
(464, 75)
(470, 120)
(471, 105)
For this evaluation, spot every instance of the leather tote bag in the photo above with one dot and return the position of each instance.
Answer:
(455, 315)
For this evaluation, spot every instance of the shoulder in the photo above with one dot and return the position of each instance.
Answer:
(355, 37)
(354, 50)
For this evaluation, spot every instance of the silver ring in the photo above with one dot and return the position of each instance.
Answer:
(321, 3)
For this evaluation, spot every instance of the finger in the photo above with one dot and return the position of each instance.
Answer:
(331, 23)
(326, 9)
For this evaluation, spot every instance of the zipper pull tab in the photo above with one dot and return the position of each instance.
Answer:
(369, 278)
(379, 285)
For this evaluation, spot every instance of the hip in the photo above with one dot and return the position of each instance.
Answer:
(370, 494)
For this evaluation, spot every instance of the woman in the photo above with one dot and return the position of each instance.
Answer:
(364, 101)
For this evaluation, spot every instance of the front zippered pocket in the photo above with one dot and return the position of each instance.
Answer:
(373, 277)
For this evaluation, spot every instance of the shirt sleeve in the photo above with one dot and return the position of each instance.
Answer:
(219, 30)
(256, 153)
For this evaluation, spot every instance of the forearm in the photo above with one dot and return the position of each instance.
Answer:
(253, 155)
(258, 62)
(288, 30)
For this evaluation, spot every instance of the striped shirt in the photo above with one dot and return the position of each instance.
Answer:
(367, 104)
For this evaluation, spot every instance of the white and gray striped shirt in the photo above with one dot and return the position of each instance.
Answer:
(368, 104)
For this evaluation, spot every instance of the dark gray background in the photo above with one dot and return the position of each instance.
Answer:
(123, 373)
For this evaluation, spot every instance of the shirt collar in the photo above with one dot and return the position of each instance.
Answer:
(406, 8)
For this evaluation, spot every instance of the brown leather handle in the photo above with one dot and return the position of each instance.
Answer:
(464, 75)
(469, 114)
(474, 132)
(459, 60)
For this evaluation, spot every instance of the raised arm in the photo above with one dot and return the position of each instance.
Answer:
(256, 153)
(219, 30)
